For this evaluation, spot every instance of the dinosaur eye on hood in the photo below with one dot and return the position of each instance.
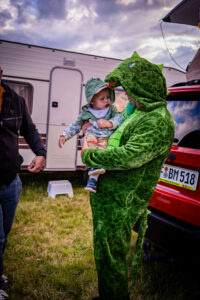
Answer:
(132, 64)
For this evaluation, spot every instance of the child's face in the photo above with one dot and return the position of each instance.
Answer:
(101, 100)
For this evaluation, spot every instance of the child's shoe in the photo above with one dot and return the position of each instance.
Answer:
(94, 171)
(91, 185)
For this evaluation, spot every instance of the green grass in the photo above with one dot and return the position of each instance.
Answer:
(49, 254)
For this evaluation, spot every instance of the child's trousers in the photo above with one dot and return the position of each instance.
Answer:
(94, 142)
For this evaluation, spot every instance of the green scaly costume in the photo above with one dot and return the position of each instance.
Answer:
(133, 161)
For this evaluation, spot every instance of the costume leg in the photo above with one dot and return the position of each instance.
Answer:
(111, 244)
(9, 197)
(139, 245)
(114, 215)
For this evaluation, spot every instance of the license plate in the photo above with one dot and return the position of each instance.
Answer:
(184, 178)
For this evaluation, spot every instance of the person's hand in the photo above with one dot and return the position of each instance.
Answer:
(85, 126)
(85, 145)
(37, 164)
(61, 141)
(104, 124)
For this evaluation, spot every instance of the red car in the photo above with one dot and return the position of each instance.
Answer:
(174, 221)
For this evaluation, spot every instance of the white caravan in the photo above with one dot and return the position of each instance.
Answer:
(52, 82)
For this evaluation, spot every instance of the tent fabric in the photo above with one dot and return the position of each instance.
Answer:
(193, 69)
(186, 12)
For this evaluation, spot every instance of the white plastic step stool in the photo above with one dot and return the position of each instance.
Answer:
(59, 187)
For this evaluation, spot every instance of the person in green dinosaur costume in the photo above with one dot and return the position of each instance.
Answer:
(133, 161)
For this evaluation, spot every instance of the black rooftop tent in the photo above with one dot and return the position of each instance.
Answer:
(186, 12)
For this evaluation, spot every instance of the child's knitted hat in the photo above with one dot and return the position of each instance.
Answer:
(94, 86)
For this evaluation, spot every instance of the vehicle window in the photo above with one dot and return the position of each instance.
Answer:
(23, 89)
(186, 115)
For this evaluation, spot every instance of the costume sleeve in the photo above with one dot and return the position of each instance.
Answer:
(30, 133)
(144, 143)
(71, 130)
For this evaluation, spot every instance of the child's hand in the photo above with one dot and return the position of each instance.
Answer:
(85, 126)
(104, 124)
(61, 141)
(84, 146)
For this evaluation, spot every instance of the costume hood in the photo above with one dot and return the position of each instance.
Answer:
(94, 86)
(143, 81)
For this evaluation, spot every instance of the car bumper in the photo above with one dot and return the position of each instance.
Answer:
(176, 236)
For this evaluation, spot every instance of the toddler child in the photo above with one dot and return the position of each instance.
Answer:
(103, 119)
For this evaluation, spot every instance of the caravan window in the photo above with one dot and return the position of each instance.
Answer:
(23, 89)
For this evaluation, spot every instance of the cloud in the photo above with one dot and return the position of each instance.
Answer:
(4, 17)
(21, 7)
(114, 28)
(51, 9)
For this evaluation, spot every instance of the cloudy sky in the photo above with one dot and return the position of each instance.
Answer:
(110, 28)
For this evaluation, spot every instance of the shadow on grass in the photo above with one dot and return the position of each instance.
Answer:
(76, 178)
(163, 278)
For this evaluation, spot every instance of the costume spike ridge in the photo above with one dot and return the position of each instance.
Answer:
(135, 55)
(132, 58)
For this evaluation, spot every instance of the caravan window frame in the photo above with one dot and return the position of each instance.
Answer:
(15, 85)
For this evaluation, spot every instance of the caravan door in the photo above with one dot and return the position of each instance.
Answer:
(64, 106)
